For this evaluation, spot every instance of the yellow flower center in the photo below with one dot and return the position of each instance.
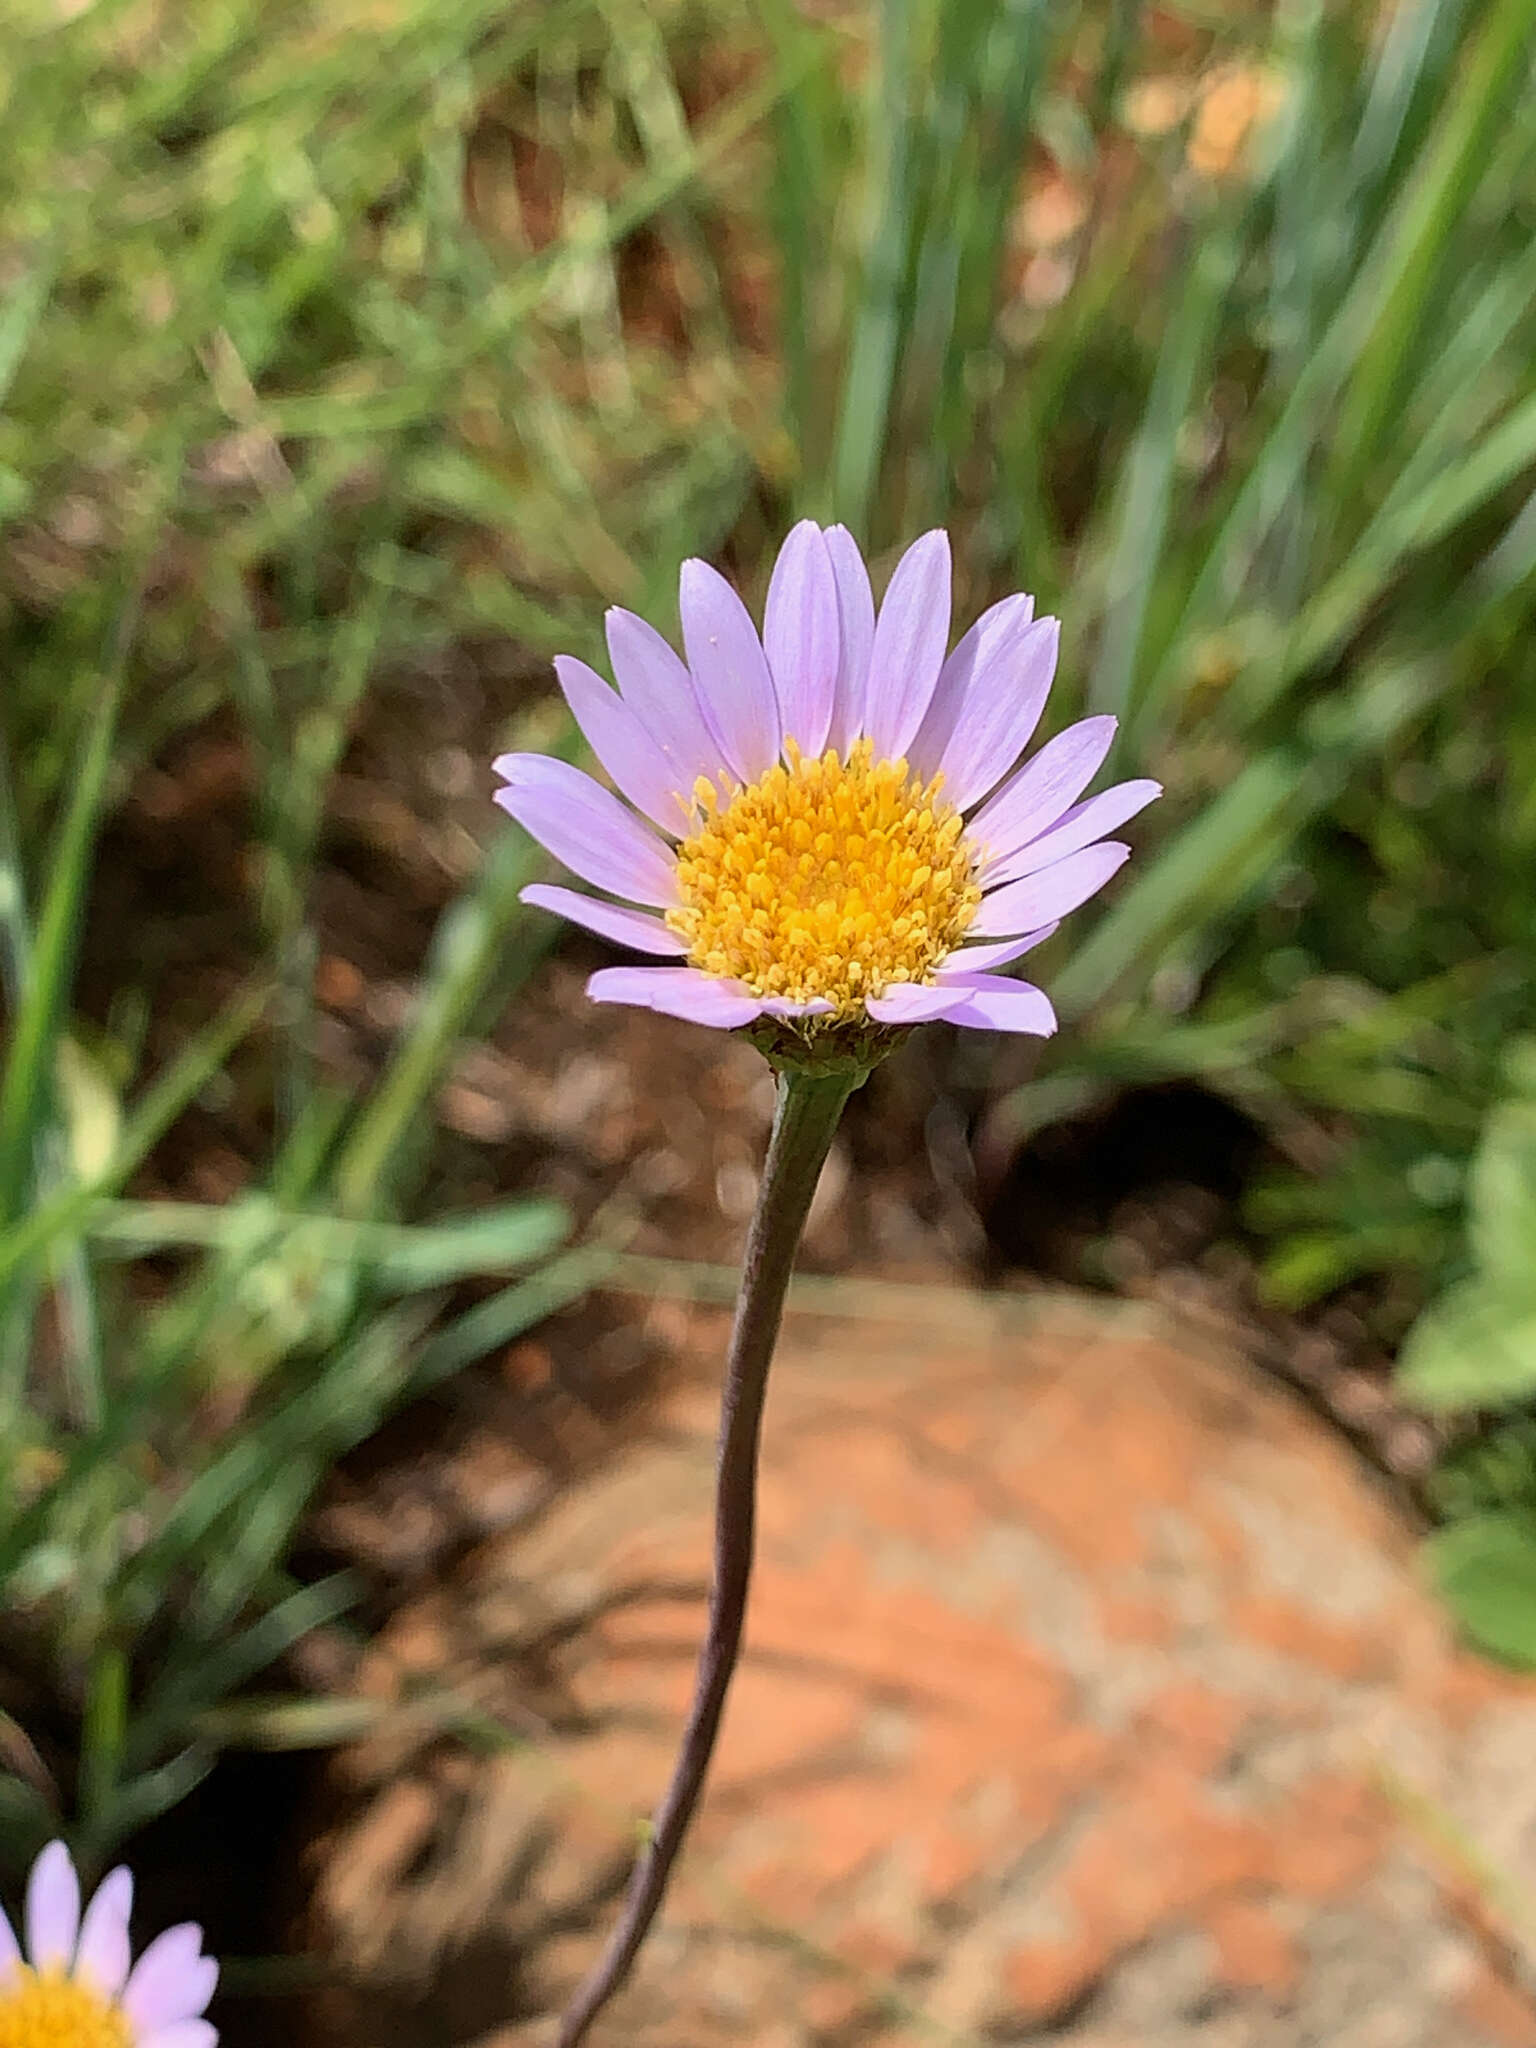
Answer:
(825, 878)
(49, 2010)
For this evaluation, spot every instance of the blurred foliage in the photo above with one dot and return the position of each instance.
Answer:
(1243, 387)
(1476, 1347)
(161, 1434)
(338, 334)
(1473, 1351)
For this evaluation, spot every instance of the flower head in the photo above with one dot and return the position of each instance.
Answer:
(830, 820)
(72, 1986)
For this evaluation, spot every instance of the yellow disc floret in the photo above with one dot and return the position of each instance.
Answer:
(49, 2010)
(825, 878)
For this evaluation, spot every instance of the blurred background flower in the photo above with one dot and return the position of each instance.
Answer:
(74, 1984)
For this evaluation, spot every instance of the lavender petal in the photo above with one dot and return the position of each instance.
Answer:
(991, 643)
(10, 1947)
(182, 2034)
(173, 1980)
(52, 1909)
(994, 1003)
(104, 1953)
(636, 765)
(654, 682)
(783, 1006)
(914, 1002)
(1000, 712)
(1024, 906)
(801, 637)
(1031, 801)
(910, 637)
(856, 623)
(982, 959)
(677, 992)
(730, 671)
(1083, 824)
(587, 829)
(614, 921)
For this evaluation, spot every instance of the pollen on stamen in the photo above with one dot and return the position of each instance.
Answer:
(49, 2010)
(825, 878)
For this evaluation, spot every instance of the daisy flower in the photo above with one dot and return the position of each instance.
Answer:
(828, 824)
(72, 1986)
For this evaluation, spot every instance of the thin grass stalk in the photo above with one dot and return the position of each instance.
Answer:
(869, 379)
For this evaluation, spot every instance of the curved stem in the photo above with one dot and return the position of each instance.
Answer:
(805, 1122)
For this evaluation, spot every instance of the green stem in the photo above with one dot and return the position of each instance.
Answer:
(805, 1122)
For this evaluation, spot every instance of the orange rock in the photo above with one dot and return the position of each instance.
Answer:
(1076, 1661)
(1499, 2011)
(1308, 1638)
(1252, 1951)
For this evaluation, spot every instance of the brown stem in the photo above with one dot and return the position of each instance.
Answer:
(805, 1122)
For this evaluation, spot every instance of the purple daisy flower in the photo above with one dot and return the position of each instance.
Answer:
(828, 822)
(73, 1988)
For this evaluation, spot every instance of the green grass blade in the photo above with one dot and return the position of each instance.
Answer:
(503, 1316)
(1433, 203)
(206, 1674)
(1146, 490)
(869, 379)
(27, 1088)
(155, 1112)
(485, 941)
(141, 1799)
(26, 298)
(104, 1734)
(1388, 544)
(412, 1256)
(1195, 881)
